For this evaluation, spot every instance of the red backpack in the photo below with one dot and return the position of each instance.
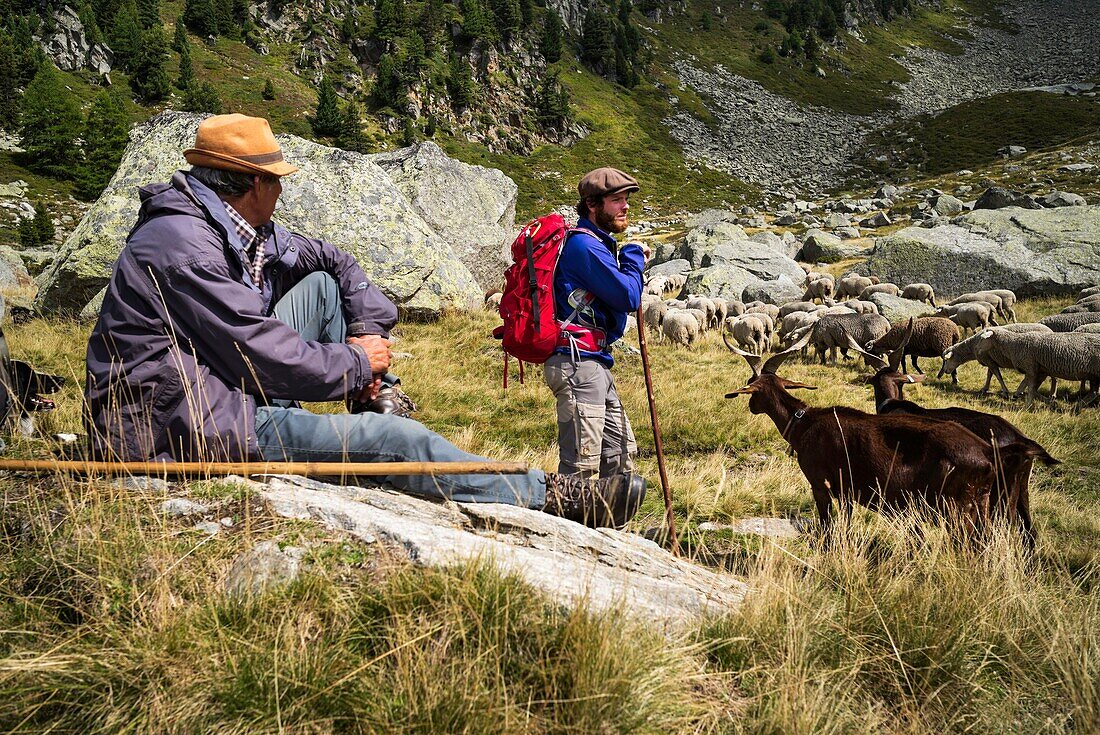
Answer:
(531, 331)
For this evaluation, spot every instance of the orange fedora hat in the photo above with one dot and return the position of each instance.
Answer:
(238, 143)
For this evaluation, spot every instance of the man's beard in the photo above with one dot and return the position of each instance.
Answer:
(606, 222)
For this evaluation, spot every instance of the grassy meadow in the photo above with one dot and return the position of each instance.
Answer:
(113, 616)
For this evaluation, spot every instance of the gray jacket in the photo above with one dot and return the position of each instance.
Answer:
(185, 346)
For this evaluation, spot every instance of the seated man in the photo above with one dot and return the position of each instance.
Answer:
(216, 320)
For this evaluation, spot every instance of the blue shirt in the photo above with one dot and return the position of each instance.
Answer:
(612, 275)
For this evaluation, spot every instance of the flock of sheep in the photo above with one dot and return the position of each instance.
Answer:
(837, 315)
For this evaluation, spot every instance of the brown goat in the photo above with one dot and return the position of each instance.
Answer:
(887, 463)
(1016, 453)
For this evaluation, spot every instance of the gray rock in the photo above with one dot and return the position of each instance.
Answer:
(15, 190)
(1061, 199)
(1009, 151)
(669, 268)
(571, 564)
(473, 208)
(178, 507)
(13, 273)
(338, 195)
(146, 484)
(261, 568)
(878, 219)
(835, 220)
(712, 217)
(1073, 168)
(996, 197)
(780, 291)
(823, 247)
(208, 527)
(897, 309)
(887, 191)
(700, 242)
(946, 205)
(68, 45)
(1032, 252)
(771, 527)
(777, 243)
(724, 266)
(847, 233)
(786, 220)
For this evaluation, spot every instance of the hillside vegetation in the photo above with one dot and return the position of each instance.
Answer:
(115, 616)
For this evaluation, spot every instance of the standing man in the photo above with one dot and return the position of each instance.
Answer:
(216, 321)
(597, 284)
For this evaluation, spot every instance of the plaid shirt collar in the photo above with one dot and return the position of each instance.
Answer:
(252, 241)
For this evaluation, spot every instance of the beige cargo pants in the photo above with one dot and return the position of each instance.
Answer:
(594, 434)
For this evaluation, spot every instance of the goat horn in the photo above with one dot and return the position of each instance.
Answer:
(776, 361)
(897, 355)
(753, 360)
(879, 362)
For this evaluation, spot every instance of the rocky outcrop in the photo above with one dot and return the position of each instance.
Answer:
(1032, 252)
(571, 564)
(473, 208)
(822, 247)
(897, 309)
(338, 195)
(68, 47)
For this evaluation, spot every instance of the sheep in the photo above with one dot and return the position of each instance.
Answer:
(1011, 497)
(985, 297)
(1008, 300)
(891, 289)
(721, 311)
(675, 304)
(749, 331)
(925, 337)
(676, 283)
(1087, 304)
(653, 315)
(680, 327)
(852, 285)
(492, 300)
(770, 309)
(822, 289)
(831, 332)
(886, 462)
(815, 276)
(793, 322)
(704, 305)
(1069, 322)
(920, 292)
(799, 306)
(966, 350)
(656, 285)
(972, 315)
(861, 307)
(1038, 355)
(1088, 328)
(1090, 291)
(701, 317)
(734, 307)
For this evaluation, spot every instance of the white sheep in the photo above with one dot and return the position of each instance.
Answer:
(805, 306)
(920, 292)
(1038, 355)
(852, 285)
(721, 311)
(734, 308)
(653, 314)
(703, 304)
(861, 307)
(972, 315)
(750, 331)
(770, 309)
(680, 327)
(891, 289)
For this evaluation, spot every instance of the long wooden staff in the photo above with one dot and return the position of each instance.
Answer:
(308, 469)
(669, 518)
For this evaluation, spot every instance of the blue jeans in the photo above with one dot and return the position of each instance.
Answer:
(287, 434)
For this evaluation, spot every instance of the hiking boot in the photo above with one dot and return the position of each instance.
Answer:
(391, 399)
(595, 502)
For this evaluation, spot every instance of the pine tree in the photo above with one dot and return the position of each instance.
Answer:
(223, 15)
(390, 86)
(92, 32)
(705, 22)
(596, 39)
(552, 103)
(351, 136)
(429, 129)
(9, 91)
(326, 120)
(389, 18)
(105, 136)
(125, 36)
(812, 47)
(202, 97)
(527, 12)
(200, 17)
(149, 80)
(476, 23)
(27, 232)
(180, 40)
(26, 51)
(408, 135)
(508, 16)
(268, 92)
(148, 13)
(460, 82)
(552, 32)
(51, 122)
(187, 69)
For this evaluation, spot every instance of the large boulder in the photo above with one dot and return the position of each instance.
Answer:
(897, 309)
(996, 197)
(338, 195)
(724, 261)
(1032, 252)
(789, 248)
(13, 273)
(823, 247)
(572, 565)
(68, 47)
(473, 208)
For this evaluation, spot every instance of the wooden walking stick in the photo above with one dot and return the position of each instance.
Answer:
(669, 519)
(307, 469)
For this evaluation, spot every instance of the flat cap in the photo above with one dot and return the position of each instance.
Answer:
(604, 181)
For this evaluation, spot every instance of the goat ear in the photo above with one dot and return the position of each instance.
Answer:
(788, 384)
(915, 378)
(742, 391)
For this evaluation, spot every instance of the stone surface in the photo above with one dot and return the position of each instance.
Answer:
(342, 196)
(897, 309)
(177, 507)
(13, 273)
(145, 484)
(768, 238)
(772, 527)
(996, 197)
(878, 219)
(823, 247)
(68, 47)
(779, 291)
(262, 567)
(1061, 199)
(946, 205)
(571, 564)
(1032, 252)
(473, 208)
(668, 268)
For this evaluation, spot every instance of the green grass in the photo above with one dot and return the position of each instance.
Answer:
(114, 617)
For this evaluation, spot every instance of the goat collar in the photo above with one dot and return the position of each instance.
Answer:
(790, 422)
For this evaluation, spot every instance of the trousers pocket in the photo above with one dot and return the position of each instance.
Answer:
(590, 424)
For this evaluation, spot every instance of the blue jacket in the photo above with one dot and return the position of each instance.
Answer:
(612, 275)
(186, 347)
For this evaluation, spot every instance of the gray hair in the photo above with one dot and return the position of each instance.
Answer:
(225, 183)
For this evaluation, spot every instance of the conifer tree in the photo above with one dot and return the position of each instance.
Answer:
(552, 32)
(596, 39)
(390, 86)
(351, 136)
(268, 92)
(149, 80)
(125, 36)
(408, 135)
(223, 14)
(389, 18)
(460, 82)
(200, 17)
(92, 32)
(9, 91)
(26, 51)
(552, 103)
(105, 136)
(51, 122)
(187, 69)
(476, 24)
(326, 120)
(202, 97)
(508, 17)
(27, 232)
(148, 13)
(179, 38)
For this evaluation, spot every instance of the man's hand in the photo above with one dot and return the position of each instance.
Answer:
(377, 350)
(647, 253)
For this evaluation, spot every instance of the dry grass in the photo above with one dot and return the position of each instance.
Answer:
(113, 617)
